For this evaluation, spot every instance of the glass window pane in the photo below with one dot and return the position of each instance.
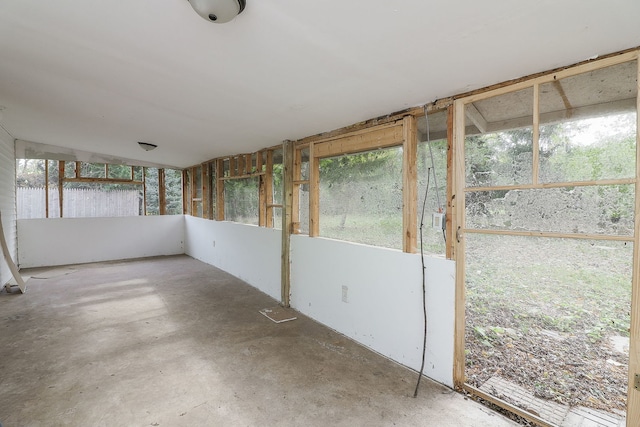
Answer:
(241, 200)
(173, 188)
(605, 210)
(499, 140)
(303, 225)
(151, 189)
(588, 126)
(432, 231)
(119, 172)
(361, 197)
(54, 194)
(69, 169)
(546, 315)
(137, 173)
(277, 177)
(30, 188)
(101, 200)
(92, 170)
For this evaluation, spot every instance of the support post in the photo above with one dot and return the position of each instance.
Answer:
(409, 184)
(287, 194)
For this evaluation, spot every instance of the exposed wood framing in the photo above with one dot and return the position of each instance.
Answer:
(219, 190)
(314, 192)
(267, 196)
(409, 184)
(240, 161)
(550, 234)
(46, 187)
(577, 68)
(501, 403)
(535, 164)
(476, 118)
(288, 150)
(60, 185)
(450, 243)
(206, 197)
(364, 126)
(623, 181)
(252, 175)
(232, 166)
(457, 241)
(103, 180)
(295, 196)
(633, 396)
(144, 190)
(383, 136)
(162, 192)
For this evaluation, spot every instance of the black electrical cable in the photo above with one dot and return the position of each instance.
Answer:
(424, 284)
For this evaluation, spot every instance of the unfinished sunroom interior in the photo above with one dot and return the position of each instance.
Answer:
(374, 213)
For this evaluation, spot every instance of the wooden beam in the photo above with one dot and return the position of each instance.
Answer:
(535, 163)
(622, 181)
(369, 139)
(476, 117)
(457, 241)
(46, 188)
(633, 395)
(295, 201)
(219, 190)
(409, 184)
(248, 163)
(610, 237)
(314, 192)
(232, 166)
(287, 175)
(206, 196)
(162, 193)
(450, 179)
(242, 170)
(103, 180)
(60, 184)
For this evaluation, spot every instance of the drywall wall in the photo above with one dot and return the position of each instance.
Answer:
(374, 296)
(7, 200)
(248, 252)
(59, 241)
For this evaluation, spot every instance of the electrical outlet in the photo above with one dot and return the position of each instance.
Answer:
(437, 220)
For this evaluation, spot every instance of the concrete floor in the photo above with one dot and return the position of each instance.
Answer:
(174, 342)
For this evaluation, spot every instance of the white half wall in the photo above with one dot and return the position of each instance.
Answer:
(60, 241)
(7, 200)
(248, 252)
(374, 296)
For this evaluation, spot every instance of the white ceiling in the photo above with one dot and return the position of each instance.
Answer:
(101, 75)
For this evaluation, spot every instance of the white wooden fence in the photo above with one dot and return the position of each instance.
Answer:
(78, 203)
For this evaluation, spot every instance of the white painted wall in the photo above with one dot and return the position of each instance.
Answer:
(248, 252)
(60, 241)
(383, 308)
(7, 200)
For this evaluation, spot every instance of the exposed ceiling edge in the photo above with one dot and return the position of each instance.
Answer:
(36, 150)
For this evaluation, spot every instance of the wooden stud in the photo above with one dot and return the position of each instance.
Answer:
(162, 193)
(287, 175)
(232, 166)
(535, 147)
(220, 190)
(46, 188)
(144, 191)
(240, 161)
(206, 196)
(314, 192)
(457, 239)
(450, 179)
(633, 395)
(409, 184)
(267, 200)
(248, 163)
(295, 201)
(259, 155)
(60, 184)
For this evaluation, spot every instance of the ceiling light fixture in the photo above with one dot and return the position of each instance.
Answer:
(218, 11)
(147, 146)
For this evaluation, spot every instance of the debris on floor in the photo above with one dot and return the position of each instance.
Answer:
(279, 314)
